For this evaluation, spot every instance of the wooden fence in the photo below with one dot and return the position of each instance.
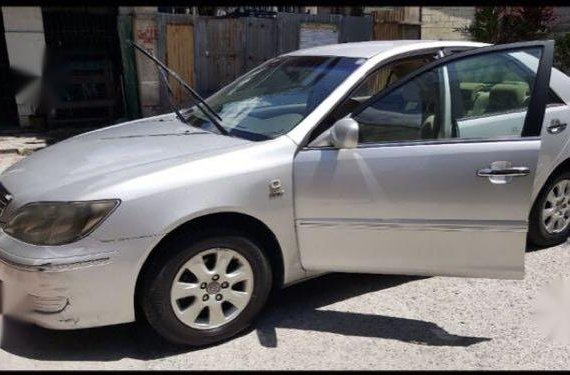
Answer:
(211, 52)
(399, 23)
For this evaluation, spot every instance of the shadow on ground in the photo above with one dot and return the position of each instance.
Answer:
(295, 308)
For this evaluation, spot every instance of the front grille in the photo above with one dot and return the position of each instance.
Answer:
(5, 198)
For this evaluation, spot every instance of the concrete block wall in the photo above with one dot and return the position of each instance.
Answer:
(438, 23)
(25, 42)
(145, 34)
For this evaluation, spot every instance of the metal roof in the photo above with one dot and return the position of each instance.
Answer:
(372, 48)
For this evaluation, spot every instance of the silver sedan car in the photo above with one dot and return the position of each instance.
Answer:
(392, 157)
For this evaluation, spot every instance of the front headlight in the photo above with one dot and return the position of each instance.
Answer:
(57, 223)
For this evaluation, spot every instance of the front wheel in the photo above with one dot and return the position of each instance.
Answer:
(206, 291)
(549, 220)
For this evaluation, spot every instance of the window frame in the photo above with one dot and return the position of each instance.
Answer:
(383, 64)
(454, 92)
(440, 111)
(534, 118)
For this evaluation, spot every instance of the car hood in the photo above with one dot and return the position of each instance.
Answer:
(113, 153)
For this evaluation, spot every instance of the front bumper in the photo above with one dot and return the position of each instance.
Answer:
(95, 289)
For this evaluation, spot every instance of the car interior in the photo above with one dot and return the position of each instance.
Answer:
(410, 112)
(486, 85)
(489, 85)
(493, 84)
(374, 83)
(479, 98)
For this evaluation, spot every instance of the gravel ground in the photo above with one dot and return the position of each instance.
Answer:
(341, 321)
(7, 160)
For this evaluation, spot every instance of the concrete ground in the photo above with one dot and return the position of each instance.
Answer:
(346, 321)
(16, 147)
(343, 321)
(7, 159)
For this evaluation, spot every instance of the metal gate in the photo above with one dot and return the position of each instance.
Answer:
(82, 49)
(225, 48)
(260, 41)
(220, 46)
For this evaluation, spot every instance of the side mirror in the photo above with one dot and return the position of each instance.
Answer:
(344, 133)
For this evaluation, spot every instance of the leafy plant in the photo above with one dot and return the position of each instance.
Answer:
(505, 24)
(562, 53)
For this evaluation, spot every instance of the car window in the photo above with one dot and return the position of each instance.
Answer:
(375, 82)
(273, 98)
(553, 99)
(466, 98)
(491, 84)
(411, 112)
(389, 74)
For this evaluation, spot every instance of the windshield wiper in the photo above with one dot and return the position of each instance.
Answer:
(171, 94)
(207, 111)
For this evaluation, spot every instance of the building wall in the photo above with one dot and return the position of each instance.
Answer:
(145, 34)
(310, 10)
(344, 10)
(25, 42)
(438, 23)
(128, 57)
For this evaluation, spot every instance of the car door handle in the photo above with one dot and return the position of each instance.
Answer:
(504, 172)
(556, 126)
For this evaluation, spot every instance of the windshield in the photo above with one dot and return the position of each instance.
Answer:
(273, 98)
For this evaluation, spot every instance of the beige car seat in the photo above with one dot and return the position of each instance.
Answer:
(480, 104)
(507, 96)
(427, 130)
(469, 91)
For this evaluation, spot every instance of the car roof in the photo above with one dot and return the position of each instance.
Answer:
(372, 48)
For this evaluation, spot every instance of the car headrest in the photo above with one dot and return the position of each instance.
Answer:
(469, 89)
(480, 104)
(507, 96)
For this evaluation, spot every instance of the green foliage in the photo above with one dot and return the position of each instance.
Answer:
(562, 53)
(509, 24)
(514, 24)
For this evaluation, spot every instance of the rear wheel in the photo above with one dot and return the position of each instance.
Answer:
(549, 221)
(206, 291)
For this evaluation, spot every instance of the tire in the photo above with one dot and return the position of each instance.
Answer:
(160, 310)
(538, 233)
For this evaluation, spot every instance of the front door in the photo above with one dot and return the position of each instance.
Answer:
(440, 182)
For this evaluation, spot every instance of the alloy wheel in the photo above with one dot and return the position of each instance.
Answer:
(212, 288)
(556, 209)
